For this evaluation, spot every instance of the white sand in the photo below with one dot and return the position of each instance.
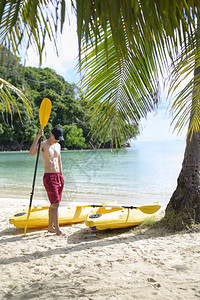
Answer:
(119, 264)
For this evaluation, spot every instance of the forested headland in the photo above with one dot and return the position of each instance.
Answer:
(68, 109)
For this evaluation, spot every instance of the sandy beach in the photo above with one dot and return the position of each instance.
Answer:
(119, 264)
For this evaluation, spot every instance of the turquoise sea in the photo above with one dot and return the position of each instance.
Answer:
(139, 175)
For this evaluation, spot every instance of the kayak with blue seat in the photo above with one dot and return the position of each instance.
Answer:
(39, 216)
(122, 217)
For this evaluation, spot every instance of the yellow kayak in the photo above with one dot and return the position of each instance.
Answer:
(106, 218)
(39, 216)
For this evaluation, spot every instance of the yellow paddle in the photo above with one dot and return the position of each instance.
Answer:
(44, 114)
(147, 209)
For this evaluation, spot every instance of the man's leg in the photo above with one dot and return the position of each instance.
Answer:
(51, 227)
(53, 219)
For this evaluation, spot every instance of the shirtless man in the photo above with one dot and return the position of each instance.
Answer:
(53, 179)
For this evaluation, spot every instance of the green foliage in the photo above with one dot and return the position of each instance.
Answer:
(148, 223)
(176, 221)
(67, 109)
(144, 36)
(8, 103)
(73, 137)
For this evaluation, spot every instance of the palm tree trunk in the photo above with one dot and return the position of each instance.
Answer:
(185, 200)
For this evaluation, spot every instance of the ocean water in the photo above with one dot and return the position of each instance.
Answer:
(145, 173)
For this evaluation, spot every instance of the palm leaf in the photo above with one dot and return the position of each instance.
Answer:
(25, 23)
(185, 108)
(7, 102)
(146, 35)
(120, 90)
(161, 22)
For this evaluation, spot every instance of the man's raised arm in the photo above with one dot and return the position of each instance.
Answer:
(34, 146)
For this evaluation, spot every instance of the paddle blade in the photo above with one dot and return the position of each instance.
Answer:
(149, 209)
(44, 112)
(28, 215)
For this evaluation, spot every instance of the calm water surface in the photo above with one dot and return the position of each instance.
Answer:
(138, 175)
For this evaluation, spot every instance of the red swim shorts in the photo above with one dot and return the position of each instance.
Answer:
(54, 183)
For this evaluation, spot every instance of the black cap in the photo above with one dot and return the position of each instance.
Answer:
(58, 133)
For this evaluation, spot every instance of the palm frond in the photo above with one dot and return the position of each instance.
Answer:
(7, 102)
(146, 35)
(185, 108)
(150, 19)
(119, 90)
(23, 23)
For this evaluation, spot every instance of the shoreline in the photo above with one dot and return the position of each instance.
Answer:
(72, 150)
(112, 265)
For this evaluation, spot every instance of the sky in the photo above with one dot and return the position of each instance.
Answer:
(157, 125)
(65, 64)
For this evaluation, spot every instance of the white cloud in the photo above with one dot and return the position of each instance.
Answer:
(67, 44)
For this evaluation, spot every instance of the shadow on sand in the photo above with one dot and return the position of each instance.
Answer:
(77, 241)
